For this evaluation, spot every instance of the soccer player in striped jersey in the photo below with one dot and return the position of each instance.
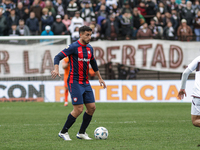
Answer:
(195, 106)
(80, 55)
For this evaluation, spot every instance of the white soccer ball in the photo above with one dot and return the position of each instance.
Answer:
(101, 133)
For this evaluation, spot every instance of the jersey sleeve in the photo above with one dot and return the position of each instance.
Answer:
(93, 62)
(64, 53)
(68, 50)
(193, 65)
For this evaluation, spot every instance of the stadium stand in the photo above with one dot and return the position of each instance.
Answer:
(109, 19)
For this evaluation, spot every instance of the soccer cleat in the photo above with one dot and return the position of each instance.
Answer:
(66, 104)
(83, 136)
(64, 136)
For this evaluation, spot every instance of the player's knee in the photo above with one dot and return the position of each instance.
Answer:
(79, 109)
(195, 123)
(92, 109)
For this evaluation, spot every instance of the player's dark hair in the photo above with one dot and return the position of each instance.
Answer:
(84, 28)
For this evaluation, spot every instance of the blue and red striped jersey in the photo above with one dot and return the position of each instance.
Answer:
(80, 56)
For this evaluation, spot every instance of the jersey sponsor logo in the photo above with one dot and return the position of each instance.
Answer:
(75, 99)
(88, 52)
(83, 59)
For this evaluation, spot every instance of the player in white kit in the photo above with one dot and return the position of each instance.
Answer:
(195, 106)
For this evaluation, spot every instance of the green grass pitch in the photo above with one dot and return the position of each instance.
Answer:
(131, 126)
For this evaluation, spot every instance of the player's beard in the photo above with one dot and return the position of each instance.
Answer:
(86, 42)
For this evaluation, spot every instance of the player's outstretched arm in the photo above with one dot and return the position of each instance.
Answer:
(181, 94)
(55, 72)
(184, 78)
(101, 81)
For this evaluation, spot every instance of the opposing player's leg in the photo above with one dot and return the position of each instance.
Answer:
(66, 96)
(87, 117)
(195, 120)
(195, 112)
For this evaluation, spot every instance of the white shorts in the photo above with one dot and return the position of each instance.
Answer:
(195, 106)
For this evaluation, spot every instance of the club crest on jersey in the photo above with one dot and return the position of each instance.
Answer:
(88, 52)
(75, 99)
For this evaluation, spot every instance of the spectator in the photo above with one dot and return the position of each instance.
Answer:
(188, 14)
(47, 31)
(196, 7)
(161, 8)
(126, 24)
(144, 32)
(132, 72)
(94, 3)
(169, 32)
(113, 7)
(23, 29)
(142, 8)
(72, 8)
(126, 8)
(110, 72)
(3, 23)
(37, 9)
(14, 31)
(33, 24)
(136, 22)
(168, 17)
(122, 72)
(20, 10)
(12, 19)
(132, 3)
(150, 7)
(41, 3)
(75, 34)
(172, 5)
(96, 30)
(66, 21)
(182, 5)
(159, 22)
(59, 8)
(87, 13)
(76, 21)
(197, 26)
(26, 3)
(110, 3)
(184, 32)
(26, 14)
(154, 29)
(176, 17)
(58, 28)
(111, 28)
(49, 6)
(102, 12)
(46, 18)
(102, 2)
(8, 5)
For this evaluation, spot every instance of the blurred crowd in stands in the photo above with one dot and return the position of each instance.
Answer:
(109, 19)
